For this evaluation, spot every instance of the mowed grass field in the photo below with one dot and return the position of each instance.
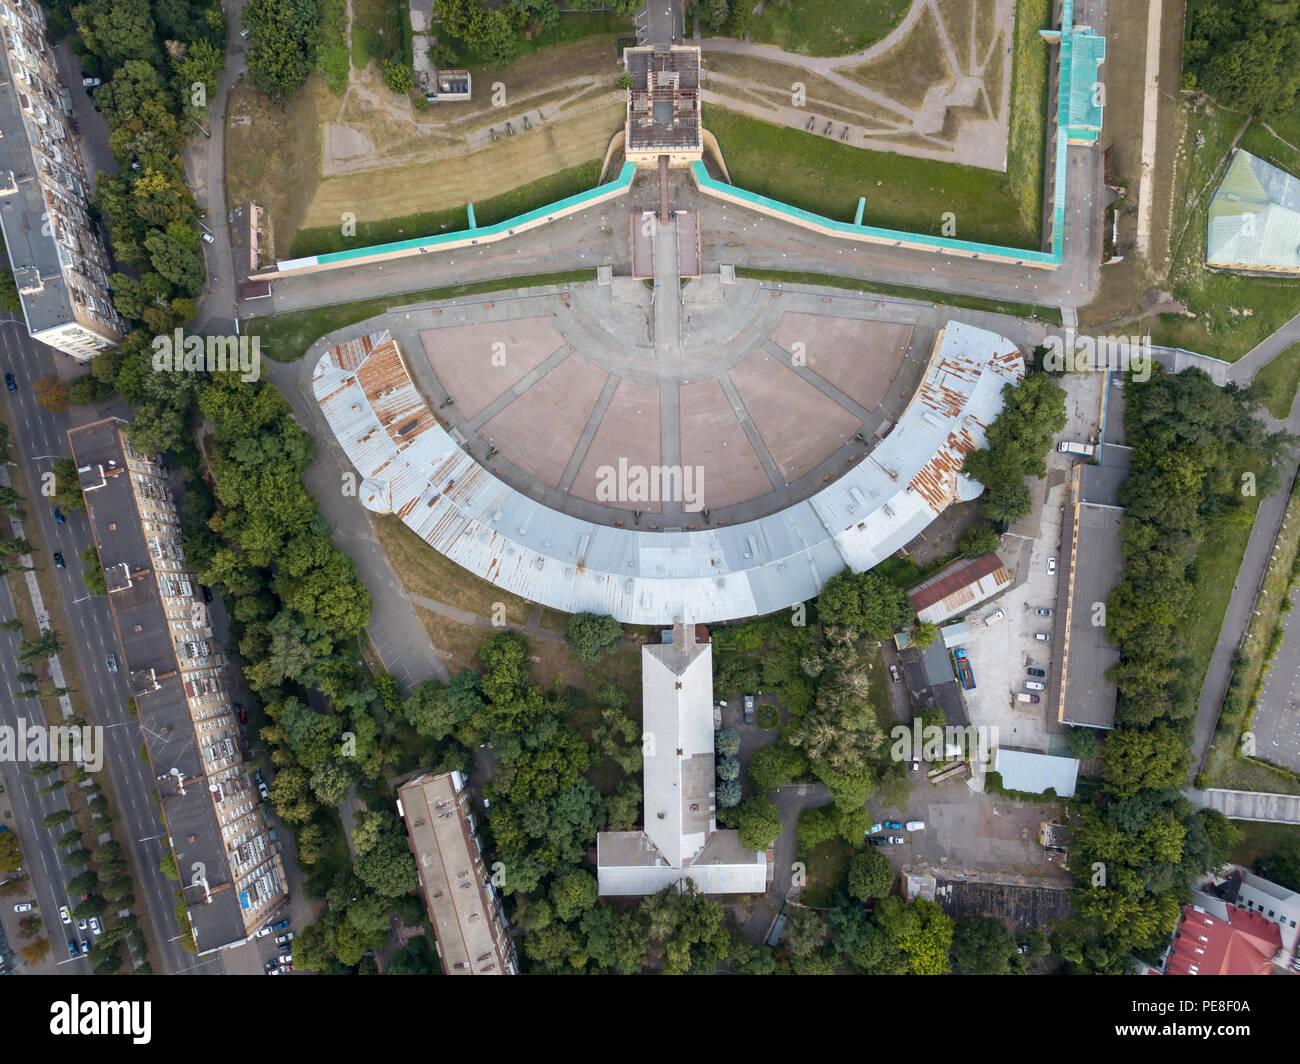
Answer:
(1277, 382)
(827, 27)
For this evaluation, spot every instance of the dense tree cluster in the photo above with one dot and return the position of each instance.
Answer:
(1140, 845)
(1017, 443)
(1245, 53)
(160, 63)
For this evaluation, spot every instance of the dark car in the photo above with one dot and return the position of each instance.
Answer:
(749, 709)
(111, 662)
(10, 383)
(243, 714)
(207, 592)
(1036, 672)
(59, 519)
(58, 559)
(877, 841)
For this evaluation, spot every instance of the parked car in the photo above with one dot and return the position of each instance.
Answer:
(873, 829)
(896, 840)
(285, 939)
(208, 238)
(283, 925)
(749, 709)
(264, 932)
(23, 907)
(1043, 611)
(1043, 637)
(111, 662)
(72, 948)
(915, 825)
(207, 592)
(995, 616)
(59, 519)
(95, 928)
(272, 967)
(916, 764)
(10, 382)
(243, 714)
(1035, 685)
(877, 840)
(894, 674)
(65, 914)
(244, 34)
(59, 563)
(85, 948)
(1051, 566)
(90, 83)
(286, 958)
(893, 825)
(1036, 672)
(82, 925)
(1024, 696)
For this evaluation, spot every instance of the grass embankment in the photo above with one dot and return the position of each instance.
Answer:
(1276, 383)
(529, 197)
(1225, 766)
(285, 337)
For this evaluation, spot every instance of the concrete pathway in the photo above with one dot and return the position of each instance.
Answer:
(1249, 805)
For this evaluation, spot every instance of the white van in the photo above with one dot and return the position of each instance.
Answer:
(995, 616)
(915, 825)
(1034, 685)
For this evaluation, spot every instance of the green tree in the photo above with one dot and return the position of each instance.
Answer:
(759, 822)
(573, 894)
(593, 637)
(805, 931)
(983, 945)
(871, 875)
(398, 77)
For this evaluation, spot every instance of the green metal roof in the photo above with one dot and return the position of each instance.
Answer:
(1086, 101)
(1254, 217)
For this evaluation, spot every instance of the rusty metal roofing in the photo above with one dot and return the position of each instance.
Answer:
(958, 586)
(643, 577)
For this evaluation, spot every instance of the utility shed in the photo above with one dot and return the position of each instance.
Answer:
(1023, 770)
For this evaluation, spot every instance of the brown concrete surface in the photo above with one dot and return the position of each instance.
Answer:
(799, 425)
(462, 357)
(713, 439)
(629, 429)
(858, 357)
(539, 430)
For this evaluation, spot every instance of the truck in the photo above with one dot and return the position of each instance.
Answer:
(1071, 447)
(964, 669)
(1022, 696)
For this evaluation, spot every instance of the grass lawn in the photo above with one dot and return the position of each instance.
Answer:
(911, 195)
(453, 219)
(1277, 382)
(826, 27)
(424, 571)
(1265, 840)
(286, 336)
(572, 26)
(1216, 568)
(1026, 137)
(993, 306)
(828, 868)
(1233, 313)
(379, 31)
(332, 52)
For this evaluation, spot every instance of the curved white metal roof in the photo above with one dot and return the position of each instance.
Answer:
(413, 468)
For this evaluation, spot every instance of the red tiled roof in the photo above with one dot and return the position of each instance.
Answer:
(1243, 945)
(954, 578)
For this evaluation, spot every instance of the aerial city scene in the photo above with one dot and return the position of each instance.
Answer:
(592, 487)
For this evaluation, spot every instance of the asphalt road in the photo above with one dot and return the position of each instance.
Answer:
(41, 437)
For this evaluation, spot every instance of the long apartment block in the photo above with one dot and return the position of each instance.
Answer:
(58, 259)
(462, 903)
(231, 871)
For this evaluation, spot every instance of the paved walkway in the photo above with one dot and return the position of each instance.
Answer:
(1249, 805)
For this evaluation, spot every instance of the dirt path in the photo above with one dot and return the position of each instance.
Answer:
(1150, 113)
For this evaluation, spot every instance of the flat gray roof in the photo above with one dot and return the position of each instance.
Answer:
(1089, 697)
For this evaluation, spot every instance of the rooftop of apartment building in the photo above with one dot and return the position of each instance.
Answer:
(175, 751)
(460, 901)
(30, 218)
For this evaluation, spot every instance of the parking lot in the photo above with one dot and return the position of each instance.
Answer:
(1000, 654)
